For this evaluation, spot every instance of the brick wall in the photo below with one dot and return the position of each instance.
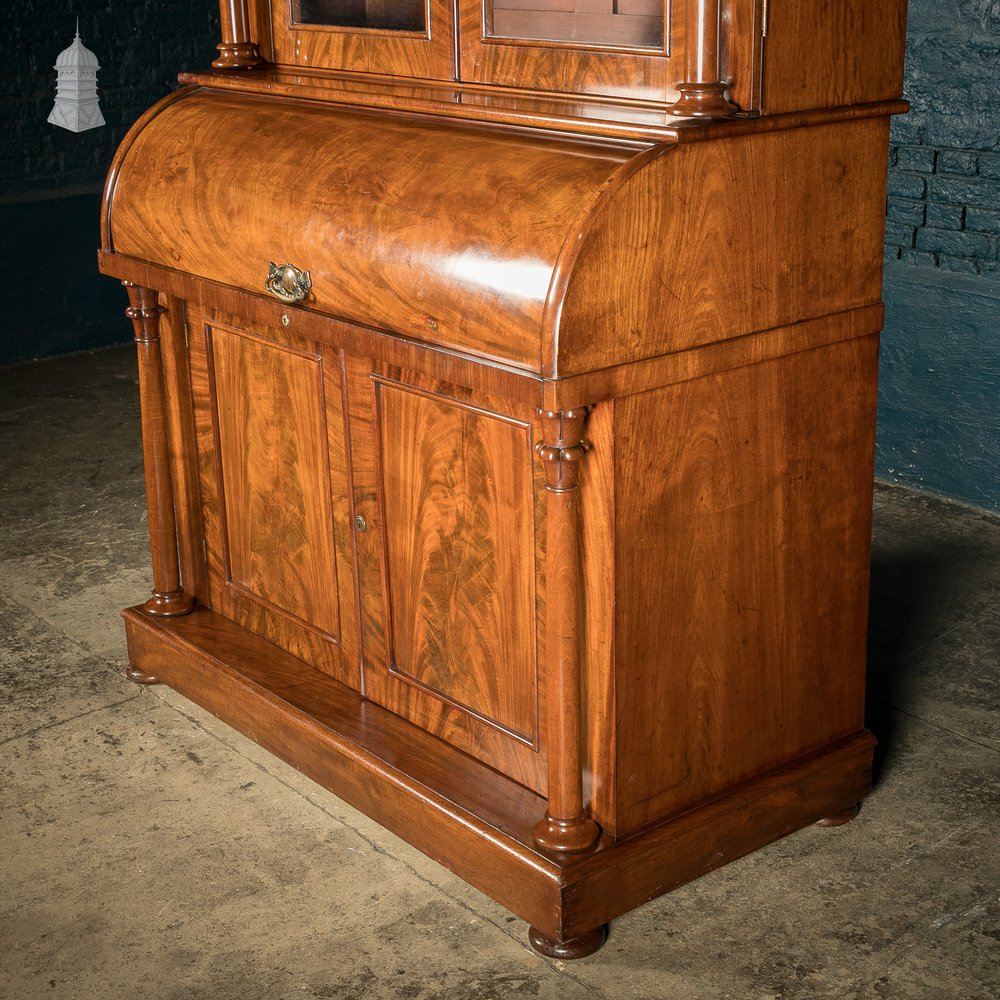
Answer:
(141, 47)
(943, 209)
(939, 385)
(50, 178)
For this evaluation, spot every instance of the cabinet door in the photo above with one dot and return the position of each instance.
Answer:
(412, 38)
(269, 419)
(446, 489)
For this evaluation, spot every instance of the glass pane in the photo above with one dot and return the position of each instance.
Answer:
(600, 22)
(388, 15)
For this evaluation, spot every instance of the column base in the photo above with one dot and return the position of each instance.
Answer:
(703, 100)
(170, 604)
(237, 55)
(568, 836)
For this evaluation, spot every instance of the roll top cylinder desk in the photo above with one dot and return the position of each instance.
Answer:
(508, 375)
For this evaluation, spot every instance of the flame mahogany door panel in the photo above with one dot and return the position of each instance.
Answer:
(273, 471)
(447, 490)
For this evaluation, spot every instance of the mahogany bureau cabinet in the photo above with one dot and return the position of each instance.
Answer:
(508, 376)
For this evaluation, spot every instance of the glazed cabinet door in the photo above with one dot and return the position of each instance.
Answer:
(269, 421)
(446, 498)
(412, 38)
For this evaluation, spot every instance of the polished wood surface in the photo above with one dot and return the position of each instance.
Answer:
(272, 444)
(704, 91)
(458, 545)
(714, 240)
(820, 54)
(565, 826)
(445, 484)
(183, 449)
(533, 518)
(392, 242)
(168, 597)
(465, 815)
(273, 488)
(427, 54)
(237, 50)
(753, 502)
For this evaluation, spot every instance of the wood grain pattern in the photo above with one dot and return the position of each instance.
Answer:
(565, 826)
(745, 649)
(274, 480)
(402, 448)
(396, 220)
(820, 54)
(275, 489)
(168, 597)
(427, 54)
(440, 363)
(578, 684)
(581, 69)
(459, 538)
(597, 632)
(714, 240)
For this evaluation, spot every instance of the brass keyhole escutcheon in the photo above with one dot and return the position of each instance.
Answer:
(287, 282)
(360, 523)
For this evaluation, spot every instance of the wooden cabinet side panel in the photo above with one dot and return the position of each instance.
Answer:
(725, 237)
(742, 552)
(821, 55)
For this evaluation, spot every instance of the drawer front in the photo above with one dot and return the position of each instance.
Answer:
(446, 490)
(274, 485)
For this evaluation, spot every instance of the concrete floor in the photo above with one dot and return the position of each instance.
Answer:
(146, 850)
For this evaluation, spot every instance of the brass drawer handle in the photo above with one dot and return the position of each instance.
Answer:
(287, 282)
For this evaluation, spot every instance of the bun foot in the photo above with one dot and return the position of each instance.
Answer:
(138, 676)
(839, 819)
(578, 947)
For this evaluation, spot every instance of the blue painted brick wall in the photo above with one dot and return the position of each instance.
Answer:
(939, 386)
(944, 161)
(50, 178)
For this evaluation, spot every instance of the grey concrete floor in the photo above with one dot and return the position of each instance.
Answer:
(146, 850)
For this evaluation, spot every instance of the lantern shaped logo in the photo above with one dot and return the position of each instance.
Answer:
(76, 106)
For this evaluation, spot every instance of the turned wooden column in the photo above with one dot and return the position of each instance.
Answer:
(236, 50)
(565, 827)
(168, 598)
(703, 91)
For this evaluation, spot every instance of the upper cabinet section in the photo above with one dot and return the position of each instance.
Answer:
(681, 58)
